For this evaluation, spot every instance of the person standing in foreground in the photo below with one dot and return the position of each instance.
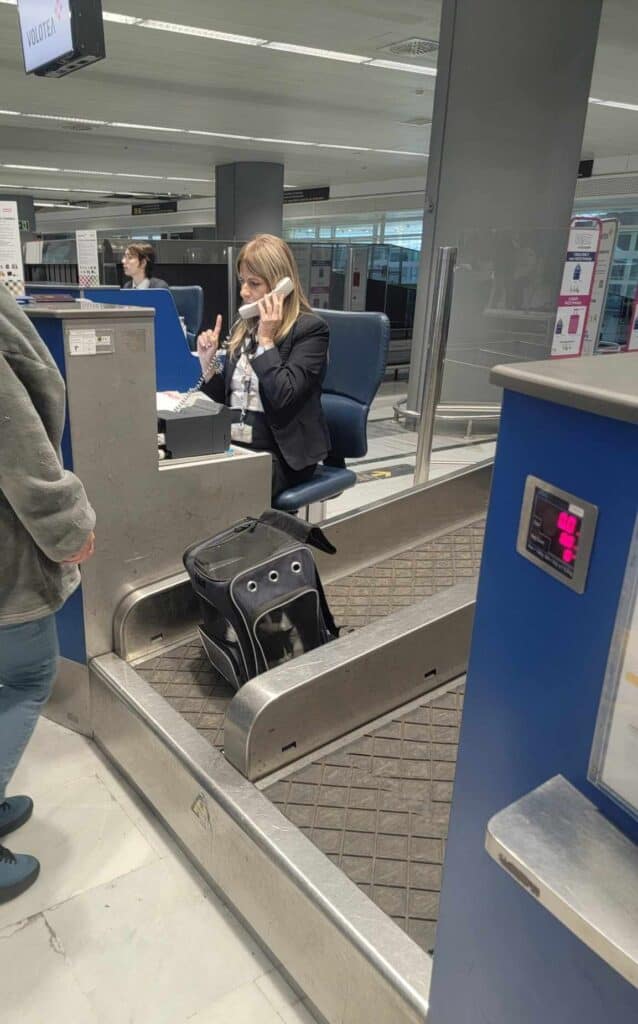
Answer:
(46, 531)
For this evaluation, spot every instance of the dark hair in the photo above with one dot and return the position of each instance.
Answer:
(143, 251)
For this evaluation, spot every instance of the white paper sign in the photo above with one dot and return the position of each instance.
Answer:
(11, 269)
(82, 343)
(88, 266)
(576, 287)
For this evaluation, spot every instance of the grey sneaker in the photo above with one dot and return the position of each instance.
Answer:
(14, 812)
(17, 873)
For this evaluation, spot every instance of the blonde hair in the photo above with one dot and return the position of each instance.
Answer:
(270, 258)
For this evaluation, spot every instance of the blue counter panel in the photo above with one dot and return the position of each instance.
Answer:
(535, 677)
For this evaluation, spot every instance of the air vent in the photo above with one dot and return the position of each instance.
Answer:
(418, 122)
(414, 47)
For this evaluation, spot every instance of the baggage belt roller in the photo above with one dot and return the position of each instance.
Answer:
(346, 953)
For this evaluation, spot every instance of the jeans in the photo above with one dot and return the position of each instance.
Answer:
(28, 665)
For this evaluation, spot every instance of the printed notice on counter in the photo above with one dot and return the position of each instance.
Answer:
(576, 287)
(614, 763)
(84, 342)
(11, 269)
(88, 265)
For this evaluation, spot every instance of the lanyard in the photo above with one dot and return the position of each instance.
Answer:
(248, 374)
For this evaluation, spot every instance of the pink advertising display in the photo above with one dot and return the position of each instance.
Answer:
(576, 287)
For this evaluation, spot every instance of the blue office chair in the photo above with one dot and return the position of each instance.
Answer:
(189, 301)
(358, 352)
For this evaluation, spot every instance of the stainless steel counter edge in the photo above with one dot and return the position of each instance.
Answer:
(384, 956)
(603, 385)
(289, 711)
(84, 310)
(557, 845)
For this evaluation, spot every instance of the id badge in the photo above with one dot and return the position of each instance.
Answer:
(242, 433)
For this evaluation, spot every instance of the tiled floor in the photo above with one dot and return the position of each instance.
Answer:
(119, 928)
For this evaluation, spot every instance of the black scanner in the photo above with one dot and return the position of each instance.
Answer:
(202, 428)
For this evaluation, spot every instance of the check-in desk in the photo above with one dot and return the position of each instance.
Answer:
(177, 368)
(539, 907)
(148, 511)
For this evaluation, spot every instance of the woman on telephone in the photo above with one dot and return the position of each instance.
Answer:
(275, 362)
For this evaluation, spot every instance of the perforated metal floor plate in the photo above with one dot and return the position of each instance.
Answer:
(379, 808)
(185, 677)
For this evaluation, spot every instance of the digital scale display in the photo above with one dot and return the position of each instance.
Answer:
(556, 532)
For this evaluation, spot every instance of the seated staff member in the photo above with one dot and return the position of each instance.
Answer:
(274, 367)
(138, 262)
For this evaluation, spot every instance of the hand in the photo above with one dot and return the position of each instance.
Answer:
(207, 345)
(270, 318)
(84, 553)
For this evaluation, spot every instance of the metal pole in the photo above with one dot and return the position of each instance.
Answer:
(347, 283)
(232, 287)
(435, 358)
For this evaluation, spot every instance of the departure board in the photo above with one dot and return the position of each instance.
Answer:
(556, 532)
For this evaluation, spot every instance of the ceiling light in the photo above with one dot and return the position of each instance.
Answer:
(400, 152)
(10, 113)
(64, 206)
(60, 117)
(144, 127)
(218, 135)
(126, 174)
(311, 51)
(395, 65)
(283, 142)
(208, 181)
(79, 170)
(333, 145)
(613, 103)
(29, 167)
(11, 3)
(204, 33)
(120, 19)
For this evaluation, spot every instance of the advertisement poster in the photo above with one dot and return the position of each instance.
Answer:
(608, 236)
(11, 269)
(359, 283)
(576, 287)
(320, 274)
(88, 266)
(615, 756)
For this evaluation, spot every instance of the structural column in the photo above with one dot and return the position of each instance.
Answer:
(509, 113)
(248, 199)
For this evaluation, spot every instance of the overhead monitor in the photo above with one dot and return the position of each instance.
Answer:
(60, 36)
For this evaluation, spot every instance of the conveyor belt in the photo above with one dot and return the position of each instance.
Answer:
(186, 679)
(378, 807)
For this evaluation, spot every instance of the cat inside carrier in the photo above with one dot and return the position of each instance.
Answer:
(260, 594)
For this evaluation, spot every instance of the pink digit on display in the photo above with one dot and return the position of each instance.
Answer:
(567, 540)
(562, 520)
(568, 556)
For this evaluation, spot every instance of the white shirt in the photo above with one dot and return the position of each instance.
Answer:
(244, 385)
(143, 284)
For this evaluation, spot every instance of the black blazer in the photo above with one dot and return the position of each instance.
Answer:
(290, 377)
(153, 282)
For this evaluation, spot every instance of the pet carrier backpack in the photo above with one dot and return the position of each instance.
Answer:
(260, 594)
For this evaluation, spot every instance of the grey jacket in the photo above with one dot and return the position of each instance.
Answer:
(45, 515)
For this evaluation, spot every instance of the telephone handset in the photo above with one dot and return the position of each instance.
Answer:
(251, 309)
